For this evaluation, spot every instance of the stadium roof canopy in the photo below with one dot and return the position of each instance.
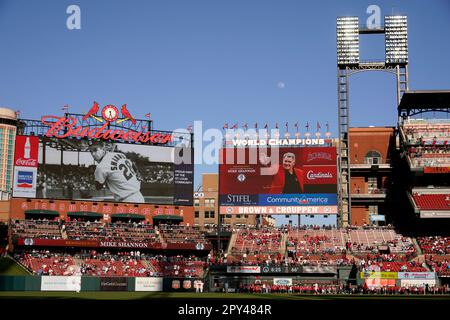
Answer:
(415, 102)
(128, 216)
(84, 214)
(42, 212)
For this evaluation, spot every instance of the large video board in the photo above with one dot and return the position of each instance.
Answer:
(94, 170)
(284, 180)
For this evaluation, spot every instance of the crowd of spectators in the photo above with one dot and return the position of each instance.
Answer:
(115, 231)
(181, 234)
(41, 228)
(434, 244)
(327, 289)
(45, 262)
(427, 143)
(256, 242)
(105, 263)
(161, 173)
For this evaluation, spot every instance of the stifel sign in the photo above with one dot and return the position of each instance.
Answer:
(62, 127)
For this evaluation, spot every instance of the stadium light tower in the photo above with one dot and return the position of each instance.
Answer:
(348, 63)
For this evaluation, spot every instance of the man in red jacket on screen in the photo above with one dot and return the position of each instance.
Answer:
(288, 179)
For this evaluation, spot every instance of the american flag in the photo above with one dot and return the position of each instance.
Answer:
(65, 108)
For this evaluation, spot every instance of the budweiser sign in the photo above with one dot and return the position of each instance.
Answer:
(62, 127)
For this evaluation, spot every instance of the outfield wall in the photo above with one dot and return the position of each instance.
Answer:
(84, 283)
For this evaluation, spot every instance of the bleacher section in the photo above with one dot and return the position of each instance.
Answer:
(119, 231)
(437, 253)
(44, 229)
(368, 248)
(128, 264)
(254, 244)
(181, 234)
(426, 142)
(367, 240)
(425, 201)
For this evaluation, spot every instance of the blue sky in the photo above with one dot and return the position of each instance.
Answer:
(210, 60)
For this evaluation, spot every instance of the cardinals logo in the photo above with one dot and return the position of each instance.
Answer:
(109, 113)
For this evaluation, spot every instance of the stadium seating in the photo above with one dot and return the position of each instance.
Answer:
(44, 229)
(367, 240)
(254, 244)
(180, 234)
(426, 142)
(432, 201)
(119, 231)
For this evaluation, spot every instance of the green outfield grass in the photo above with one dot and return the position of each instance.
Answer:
(178, 295)
(9, 267)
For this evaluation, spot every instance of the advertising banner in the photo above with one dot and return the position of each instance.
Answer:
(282, 281)
(437, 170)
(26, 151)
(309, 199)
(25, 166)
(60, 283)
(377, 217)
(377, 283)
(417, 275)
(112, 244)
(378, 275)
(279, 210)
(319, 269)
(243, 269)
(25, 182)
(417, 283)
(113, 284)
(275, 177)
(149, 284)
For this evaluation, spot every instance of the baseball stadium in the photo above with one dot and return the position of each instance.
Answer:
(99, 205)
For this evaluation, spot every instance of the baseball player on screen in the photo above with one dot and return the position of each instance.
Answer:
(117, 172)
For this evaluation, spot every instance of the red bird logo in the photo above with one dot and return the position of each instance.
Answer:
(91, 112)
(127, 114)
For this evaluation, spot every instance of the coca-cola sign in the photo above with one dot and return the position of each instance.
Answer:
(26, 151)
(26, 162)
(62, 127)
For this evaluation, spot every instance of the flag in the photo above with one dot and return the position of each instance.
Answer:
(276, 125)
(225, 126)
(328, 127)
(66, 107)
(318, 126)
(256, 125)
(245, 126)
(17, 113)
(147, 115)
(266, 126)
(287, 126)
(307, 126)
(234, 126)
(189, 128)
(296, 125)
